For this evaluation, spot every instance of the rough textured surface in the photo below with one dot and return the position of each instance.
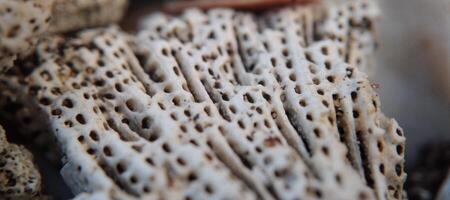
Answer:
(118, 139)
(19, 178)
(220, 104)
(329, 103)
(22, 25)
(351, 25)
(243, 120)
(22, 22)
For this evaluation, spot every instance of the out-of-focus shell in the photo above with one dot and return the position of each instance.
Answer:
(19, 177)
(22, 22)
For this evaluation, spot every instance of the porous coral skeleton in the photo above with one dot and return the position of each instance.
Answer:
(326, 99)
(220, 104)
(24, 22)
(22, 25)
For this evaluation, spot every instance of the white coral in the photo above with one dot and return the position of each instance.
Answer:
(24, 22)
(221, 104)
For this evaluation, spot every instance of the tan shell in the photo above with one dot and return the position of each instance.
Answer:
(19, 177)
(69, 15)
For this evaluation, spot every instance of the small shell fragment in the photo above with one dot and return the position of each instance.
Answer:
(19, 177)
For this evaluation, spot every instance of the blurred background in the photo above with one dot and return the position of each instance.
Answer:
(412, 70)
